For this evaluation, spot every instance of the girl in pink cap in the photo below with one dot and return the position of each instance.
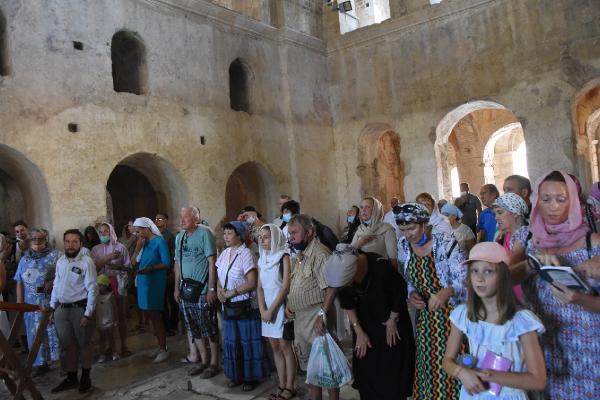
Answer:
(503, 339)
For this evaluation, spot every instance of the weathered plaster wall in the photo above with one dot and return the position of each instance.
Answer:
(189, 46)
(409, 72)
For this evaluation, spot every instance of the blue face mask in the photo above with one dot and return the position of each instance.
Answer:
(367, 222)
(286, 217)
(351, 219)
(104, 239)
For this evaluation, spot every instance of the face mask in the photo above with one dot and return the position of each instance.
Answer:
(300, 246)
(367, 222)
(463, 193)
(350, 219)
(286, 217)
(104, 239)
(250, 220)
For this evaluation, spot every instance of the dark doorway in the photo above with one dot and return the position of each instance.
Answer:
(239, 97)
(128, 63)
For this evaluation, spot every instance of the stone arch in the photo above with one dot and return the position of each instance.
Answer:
(498, 166)
(23, 191)
(585, 119)
(129, 70)
(251, 183)
(471, 125)
(240, 79)
(143, 184)
(380, 167)
(4, 64)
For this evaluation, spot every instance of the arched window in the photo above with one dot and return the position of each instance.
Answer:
(128, 56)
(239, 86)
(4, 68)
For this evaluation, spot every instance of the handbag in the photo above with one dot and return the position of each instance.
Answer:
(235, 309)
(190, 290)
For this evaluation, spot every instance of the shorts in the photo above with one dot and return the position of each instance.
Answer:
(200, 318)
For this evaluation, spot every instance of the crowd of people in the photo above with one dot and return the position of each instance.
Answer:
(440, 297)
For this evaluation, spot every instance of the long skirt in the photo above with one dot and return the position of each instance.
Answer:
(244, 356)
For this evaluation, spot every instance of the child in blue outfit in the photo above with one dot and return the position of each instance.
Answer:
(492, 322)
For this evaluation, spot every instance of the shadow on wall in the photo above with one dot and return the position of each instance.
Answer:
(23, 191)
(380, 168)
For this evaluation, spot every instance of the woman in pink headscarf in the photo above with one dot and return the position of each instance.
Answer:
(112, 259)
(560, 236)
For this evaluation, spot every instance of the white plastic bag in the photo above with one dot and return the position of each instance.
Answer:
(327, 366)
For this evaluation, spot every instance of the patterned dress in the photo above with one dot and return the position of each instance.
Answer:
(432, 330)
(571, 343)
(33, 273)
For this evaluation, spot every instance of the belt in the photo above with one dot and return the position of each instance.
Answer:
(80, 303)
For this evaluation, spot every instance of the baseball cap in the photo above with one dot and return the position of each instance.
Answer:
(488, 251)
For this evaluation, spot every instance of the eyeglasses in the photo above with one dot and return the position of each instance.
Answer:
(38, 240)
(159, 219)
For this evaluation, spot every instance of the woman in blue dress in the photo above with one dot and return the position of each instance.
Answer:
(34, 276)
(152, 259)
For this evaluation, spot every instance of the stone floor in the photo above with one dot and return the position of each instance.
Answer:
(136, 377)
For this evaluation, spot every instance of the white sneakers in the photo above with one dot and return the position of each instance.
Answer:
(162, 355)
(102, 358)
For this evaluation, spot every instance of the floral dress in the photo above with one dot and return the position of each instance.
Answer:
(571, 343)
(33, 272)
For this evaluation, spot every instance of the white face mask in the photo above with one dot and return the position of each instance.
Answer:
(463, 193)
(250, 220)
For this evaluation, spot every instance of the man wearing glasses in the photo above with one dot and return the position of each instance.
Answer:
(171, 309)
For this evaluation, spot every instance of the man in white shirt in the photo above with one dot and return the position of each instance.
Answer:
(389, 216)
(73, 301)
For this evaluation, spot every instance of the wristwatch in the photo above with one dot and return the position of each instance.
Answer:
(212, 289)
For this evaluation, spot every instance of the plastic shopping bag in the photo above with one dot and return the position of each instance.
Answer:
(327, 366)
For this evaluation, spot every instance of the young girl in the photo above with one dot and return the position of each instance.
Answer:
(106, 314)
(273, 287)
(492, 322)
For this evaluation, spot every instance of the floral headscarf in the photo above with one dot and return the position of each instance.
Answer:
(409, 213)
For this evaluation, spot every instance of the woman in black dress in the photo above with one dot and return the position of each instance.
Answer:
(384, 347)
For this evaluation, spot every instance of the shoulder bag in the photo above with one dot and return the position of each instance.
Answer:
(189, 289)
(235, 309)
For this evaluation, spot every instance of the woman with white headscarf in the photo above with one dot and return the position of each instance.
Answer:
(273, 287)
(152, 259)
(373, 235)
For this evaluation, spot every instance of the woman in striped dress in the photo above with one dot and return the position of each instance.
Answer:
(435, 275)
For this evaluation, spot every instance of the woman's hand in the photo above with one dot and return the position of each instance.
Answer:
(563, 294)
(364, 240)
(391, 332)
(416, 301)
(221, 295)
(471, 381)
(362, 344)
(266, 315)
(289, 314)
(438, 300)
(590, 268)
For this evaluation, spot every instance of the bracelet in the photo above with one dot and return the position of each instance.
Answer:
(457, 371)
(355, 325)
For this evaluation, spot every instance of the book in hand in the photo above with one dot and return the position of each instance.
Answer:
(558, 274)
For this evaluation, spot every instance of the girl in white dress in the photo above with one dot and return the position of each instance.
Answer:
(497, 330)
(273, 286)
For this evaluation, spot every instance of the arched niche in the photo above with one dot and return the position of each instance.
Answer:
(585, 116)
(469, 128)
(23, 191)
(240, 88)
(129, 70)
(4, 56)
(143, 184)
(380, 167)
(250, 184)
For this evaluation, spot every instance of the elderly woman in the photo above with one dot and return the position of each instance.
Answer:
(353, 222)
(510, 210)
(383, 362)
(244, 360)
(433, 267)
(34, 276)
(561, 236)
(463, 234)
(152, 259)
(437, 221)
(112, 259)
(373, 235)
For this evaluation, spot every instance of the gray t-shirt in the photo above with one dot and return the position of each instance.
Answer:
(195, 250)
(469, 210)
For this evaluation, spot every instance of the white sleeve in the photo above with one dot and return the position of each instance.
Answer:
(91, 285)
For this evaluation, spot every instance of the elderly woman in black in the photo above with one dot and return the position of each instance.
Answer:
(384, 348)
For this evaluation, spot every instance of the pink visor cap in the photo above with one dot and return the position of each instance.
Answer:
(488, 251)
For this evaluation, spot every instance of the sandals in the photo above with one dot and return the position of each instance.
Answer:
(198, 369)
(211, 371)
(289, 394)
(248, 386)
(232, 384)
(275, 396)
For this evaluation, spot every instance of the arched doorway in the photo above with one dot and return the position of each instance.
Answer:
(250, 184)
(586, 120)
(484, 141)
(379, 165)
(142, 185)
(23, 191)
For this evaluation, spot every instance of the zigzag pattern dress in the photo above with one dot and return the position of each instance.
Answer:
(431, 334)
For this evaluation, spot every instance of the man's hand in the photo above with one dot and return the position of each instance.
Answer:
(211, 297)
(319, 326)
(84, 321)
(176, 295)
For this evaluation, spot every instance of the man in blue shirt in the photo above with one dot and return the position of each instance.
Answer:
(486, 228)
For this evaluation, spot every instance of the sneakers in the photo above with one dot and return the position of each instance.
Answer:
(67, 384)
(116, 356)
(162, 356)
(85, 384)
(101, 358)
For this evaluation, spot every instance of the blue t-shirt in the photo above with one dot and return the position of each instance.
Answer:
(195, 250)
(487, 222)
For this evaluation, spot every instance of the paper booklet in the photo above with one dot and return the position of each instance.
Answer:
(560, 274)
